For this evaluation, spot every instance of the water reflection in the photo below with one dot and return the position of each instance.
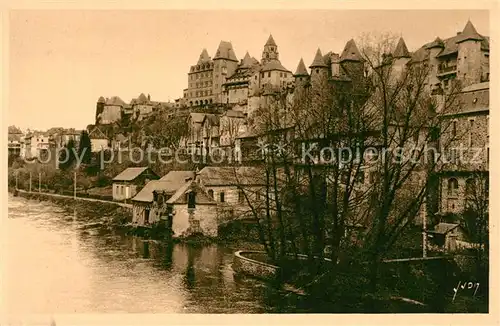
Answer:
(93, 269)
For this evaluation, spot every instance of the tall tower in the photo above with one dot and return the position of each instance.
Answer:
(99, 108)
(401, 57)
(352, 63)
(469, 68)
(225, 64)
(270, 51)
(301, 75)
(319, 72)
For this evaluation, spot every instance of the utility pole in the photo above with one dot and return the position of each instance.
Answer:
(30, 182)
(424, 229)
(39, 181)
(74, 185)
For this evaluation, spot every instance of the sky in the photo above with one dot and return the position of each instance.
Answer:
(60, 62)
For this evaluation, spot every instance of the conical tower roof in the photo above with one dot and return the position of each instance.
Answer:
(401, 50)
(247, 61)
(469, 33)
(351, 52)
(225, 51)
(301, 69)
(101, 100)
(270, 40)
(204, 57)
(318, 60)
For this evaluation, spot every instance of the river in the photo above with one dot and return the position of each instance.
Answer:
(52, 265)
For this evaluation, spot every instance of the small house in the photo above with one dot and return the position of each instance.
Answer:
(98, 140)
(129, 181)
(146, 210)
(192, 211)
(447, 237)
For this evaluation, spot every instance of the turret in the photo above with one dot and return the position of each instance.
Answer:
(319, 70)
(469, 67)
(301, 75)
(352, 62)
(270, 51)
(400, 56)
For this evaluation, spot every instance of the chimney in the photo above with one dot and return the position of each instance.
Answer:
(458, 33)
(149, 97)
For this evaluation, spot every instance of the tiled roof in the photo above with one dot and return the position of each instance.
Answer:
(318, 60)
(469, 33)
(204, 57)
(197, 117)
(219, 176)
(401, 50)
(115, 100)
(146, 193)
(274, 65)
(225, 51)
(130, 174)
(201, 197)
(177, 178)
(450, 45)
(437, 43)
(270, 40)
(14, 130)
(301, 69)
(97, 133)
(351, 52)
(443, 228)
(247, 61)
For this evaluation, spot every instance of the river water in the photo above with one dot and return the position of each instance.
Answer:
(53, 265)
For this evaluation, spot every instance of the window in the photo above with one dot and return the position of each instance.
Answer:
(454, 129)
(221, 196)
(241, 197)
(471, 131)
(211, 193)
(452, 187)
(269, 74)
(317, 71)
(191, 200)
(146, 215)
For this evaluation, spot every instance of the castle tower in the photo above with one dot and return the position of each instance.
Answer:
(270, 51)
(352, 63)
(225, 64)
(401, 56)
(469, 67)
(319, 71)
(301, 78)
(99, 108)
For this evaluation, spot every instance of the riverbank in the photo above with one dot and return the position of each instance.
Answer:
(118, 215)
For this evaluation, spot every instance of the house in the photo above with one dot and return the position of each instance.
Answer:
(98, 140)
(146, 210)
(36, 143)
(129, 181)
(230, 187)
(447, 237)
(192, 211)
(16, 139)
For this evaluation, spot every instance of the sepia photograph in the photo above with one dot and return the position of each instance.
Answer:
(219, 161)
